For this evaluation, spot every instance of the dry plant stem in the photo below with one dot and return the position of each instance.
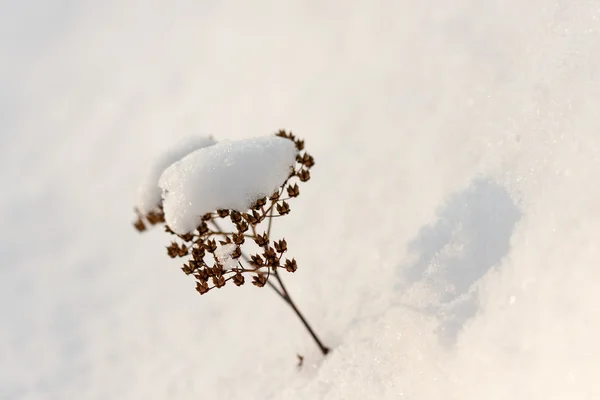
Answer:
(282, 291)
(290, 302)
(286, 296)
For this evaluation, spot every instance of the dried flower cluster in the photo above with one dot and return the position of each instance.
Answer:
(205, 247)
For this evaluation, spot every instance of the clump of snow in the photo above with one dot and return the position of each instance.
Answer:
(149, 195)
(228, 175)
(223, 254)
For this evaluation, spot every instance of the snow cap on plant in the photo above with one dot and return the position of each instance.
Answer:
(219, 202)
(221, 199)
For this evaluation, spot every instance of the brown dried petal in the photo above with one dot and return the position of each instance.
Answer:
(203, 273)
(238, 279)
(237, 253)
(139, 225)
(242, 227)
(250, 218)
(218, 281)
(261, 240)
(173, 250)
(257, 260)
(226, 241)
(235, 217)
(202, 287)
(261, 202)
(203, 229)
(283, 208)
(304, 175)
(293, 191)
(210, 246)
(307, 160)
(238, 238)
(280, 246)
(183, 251)
(259, 280)
(291, 265)
(187, 269)
(274, 196)
(198, 253)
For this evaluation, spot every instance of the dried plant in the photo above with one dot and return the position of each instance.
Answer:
(230, 245)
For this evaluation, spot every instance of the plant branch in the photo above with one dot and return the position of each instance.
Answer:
(291, 303)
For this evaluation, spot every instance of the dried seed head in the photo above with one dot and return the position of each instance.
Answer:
(188, 237)
(271, 257)
(207, 217)
(202, 275)
(251, 218)
(203, 229)
(155, 217)
(307, 160)
(187, 269)
(259, 218)
(218, 281)
(299, 144)
(223, 213)
(210, 246)
(282, 133)
(217, 269)
(237, 253)
(274, 197)
(139, 225)
(202, 287)
(259, 280)
(304, 175)
(293, 191)
(238, 279)
(261, 240)
(182, 251)
(226, 241)
(198, 253)
(242, 227)
(283, 208)
(235, 217)
(291, 265)
(238, 238)
(257, 260)
(280, 246)
(261, 202)
(173, 250)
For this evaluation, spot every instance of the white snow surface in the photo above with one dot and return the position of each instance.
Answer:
(149, 194)
(223, 254)
(229, 175)
(447, 242)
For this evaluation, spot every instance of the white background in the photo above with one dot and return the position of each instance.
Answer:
(447, 243)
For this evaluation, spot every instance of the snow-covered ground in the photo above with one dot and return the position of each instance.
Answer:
(447, 243)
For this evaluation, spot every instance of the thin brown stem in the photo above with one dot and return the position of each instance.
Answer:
(291, 303)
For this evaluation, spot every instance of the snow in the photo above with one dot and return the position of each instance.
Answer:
(447, 242)
(229, 175)
(149, 195)
(223, 254)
